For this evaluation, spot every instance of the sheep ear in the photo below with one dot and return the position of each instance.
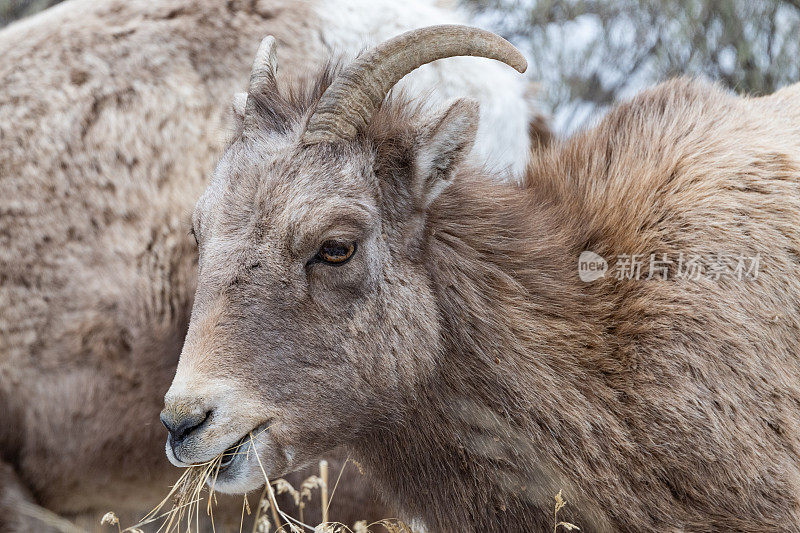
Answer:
(239, 104)
(441, 147)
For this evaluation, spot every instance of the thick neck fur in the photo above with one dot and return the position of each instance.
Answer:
(479, 447)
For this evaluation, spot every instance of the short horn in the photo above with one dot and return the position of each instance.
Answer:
(263, 76)
(348, 104)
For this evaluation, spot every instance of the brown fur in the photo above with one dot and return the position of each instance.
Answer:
(111, 116)
(459, 356)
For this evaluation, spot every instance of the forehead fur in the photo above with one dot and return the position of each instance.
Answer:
(268, 169)
(270, 185)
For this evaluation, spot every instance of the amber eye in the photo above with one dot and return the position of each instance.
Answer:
(336, 252)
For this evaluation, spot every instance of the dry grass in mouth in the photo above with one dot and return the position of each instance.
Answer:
(196, 486)
(194, 492)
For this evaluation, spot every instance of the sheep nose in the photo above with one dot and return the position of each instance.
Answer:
(180, 426)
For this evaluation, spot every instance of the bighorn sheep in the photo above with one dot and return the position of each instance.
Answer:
(359, 282)
(110, 114)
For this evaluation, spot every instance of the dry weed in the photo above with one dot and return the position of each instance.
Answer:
(180, 510)
(196, 485)
(560, 503)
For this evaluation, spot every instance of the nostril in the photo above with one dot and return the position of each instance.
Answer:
(181, 426)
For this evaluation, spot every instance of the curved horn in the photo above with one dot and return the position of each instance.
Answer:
(347, 105)
(263, 74)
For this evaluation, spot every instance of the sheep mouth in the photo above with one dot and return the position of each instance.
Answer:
(243, 447)
(229, 455)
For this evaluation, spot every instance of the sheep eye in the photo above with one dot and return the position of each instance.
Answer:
(336, 252)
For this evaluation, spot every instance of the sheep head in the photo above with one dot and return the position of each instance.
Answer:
(314, 318)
